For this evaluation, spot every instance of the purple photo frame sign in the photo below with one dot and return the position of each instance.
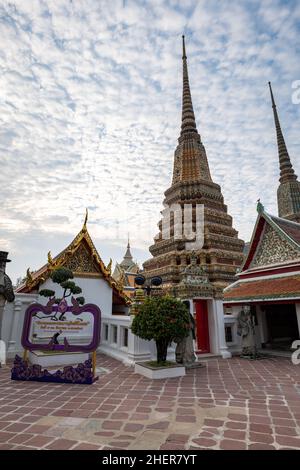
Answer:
(76, 310)
(83, 373)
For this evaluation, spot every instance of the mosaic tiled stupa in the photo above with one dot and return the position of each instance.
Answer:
(288, 192)
(222, 252)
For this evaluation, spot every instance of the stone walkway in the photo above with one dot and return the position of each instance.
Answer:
(228, 404)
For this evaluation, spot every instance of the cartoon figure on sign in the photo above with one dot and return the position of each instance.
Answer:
(54, 339)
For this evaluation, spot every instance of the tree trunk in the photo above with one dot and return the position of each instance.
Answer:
(162, 349)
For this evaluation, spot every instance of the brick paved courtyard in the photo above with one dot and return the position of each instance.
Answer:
(227, 404)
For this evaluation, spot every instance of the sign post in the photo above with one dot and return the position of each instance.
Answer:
(60, 328)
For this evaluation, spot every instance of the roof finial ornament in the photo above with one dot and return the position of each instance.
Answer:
(29, 277)
(85, 220)
(183, 48)
(50, 259)
(109, 266)
(260, 208)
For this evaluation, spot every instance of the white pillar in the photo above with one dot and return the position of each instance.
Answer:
(262, 324)
(2, 303)
(139, 350)
(298, 317)
(14, 325)
(2, 352)
(225, 353)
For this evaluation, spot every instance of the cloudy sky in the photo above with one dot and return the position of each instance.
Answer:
(90, 98)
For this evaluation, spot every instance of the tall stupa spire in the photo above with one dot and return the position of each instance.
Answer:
(188, 122)
(192, 187)
(190, 161)
(286, 169)
(288, 192)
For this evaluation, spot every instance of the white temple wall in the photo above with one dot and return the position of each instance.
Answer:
(125, 346)
(96, 291)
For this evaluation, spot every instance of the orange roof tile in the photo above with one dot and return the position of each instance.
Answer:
(264, 289)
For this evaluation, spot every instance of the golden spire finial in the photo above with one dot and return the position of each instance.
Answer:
(86, 219)
(50, 259)
(29, 277)
(109, 266)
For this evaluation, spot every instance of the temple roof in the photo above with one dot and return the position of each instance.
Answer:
(82, 258)
(287, 231)
(264, 289)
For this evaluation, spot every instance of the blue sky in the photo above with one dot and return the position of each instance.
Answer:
(90, 114)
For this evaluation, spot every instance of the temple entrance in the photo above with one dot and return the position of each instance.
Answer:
(202, 330)
(282, 326)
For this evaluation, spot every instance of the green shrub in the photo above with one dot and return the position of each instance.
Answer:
(162, 319)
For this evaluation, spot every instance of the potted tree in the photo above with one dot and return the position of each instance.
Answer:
(162, 319)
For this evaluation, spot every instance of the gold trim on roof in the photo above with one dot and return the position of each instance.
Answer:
(34, 279)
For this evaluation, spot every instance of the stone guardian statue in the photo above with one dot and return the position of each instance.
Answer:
(245, 329)
(184, 352)
(6, 288)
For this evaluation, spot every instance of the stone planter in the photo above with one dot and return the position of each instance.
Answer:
(151, 372)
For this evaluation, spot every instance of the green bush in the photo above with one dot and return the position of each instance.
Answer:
(162, 319)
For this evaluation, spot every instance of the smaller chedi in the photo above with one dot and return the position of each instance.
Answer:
(125, 272)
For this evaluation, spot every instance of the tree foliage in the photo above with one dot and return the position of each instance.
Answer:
(162, 319)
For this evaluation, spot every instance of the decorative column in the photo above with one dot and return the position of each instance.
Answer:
(225, 353)
(14, 325)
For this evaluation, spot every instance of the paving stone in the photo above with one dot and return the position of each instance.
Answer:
(112, 424)
(186, 419)
(85, 446)
(161, 425)
(261, 447)
(229, 444)
(260, 428)
(61, 444)
(236, 425)
(232, 434)
(205, 442)
(260, 437)
(237, 417)
(6, 436)
(39, 441)
(282, 430)
(288, 441)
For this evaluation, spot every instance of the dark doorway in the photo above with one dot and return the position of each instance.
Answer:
(282, 326)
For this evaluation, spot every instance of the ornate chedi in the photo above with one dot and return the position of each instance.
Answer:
(222, 252)
(288, 192)
(125, 272)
